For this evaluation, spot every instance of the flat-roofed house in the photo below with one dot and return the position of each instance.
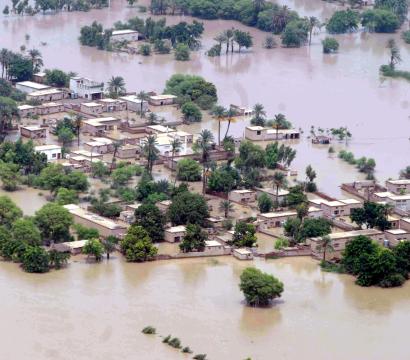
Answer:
(33, 132)
(260, 133)
(113, 105)
(243, 254)
(281, 195)
(395, 236)
(30, 86)
(50, 108)
(106, 227)
(134, 103)
(336, 208)
(127, 151)
(165, 99)
(163, 205)
(128, 214)
(40, 77)
(92, 108)
(405, 224)
(50, 95)
(278, 218)
(53, 152)
(124, 35)
(215, 248)
(398, 187)
(86, 88)
(72, 247)
(242, 196)
(174, 234)
(340, 239)
(27, 110)
(96, 146)
(99, 126)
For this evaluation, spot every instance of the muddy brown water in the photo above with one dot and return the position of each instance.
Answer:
(98, 310)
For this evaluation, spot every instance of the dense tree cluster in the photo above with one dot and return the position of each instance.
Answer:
(373, 264)
(21, 238)
(24, 7)
(192, 88)
(371, 215)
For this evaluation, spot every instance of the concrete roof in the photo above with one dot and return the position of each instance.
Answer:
(162, 97)
(46, 92)
(91, 104)
(32, 127)
(397, 231)
(399, 182)
(123, 32)
(176, 229)
(47, 147)
(243, 251)
(349, 234)
(212, 243)
(33, 85)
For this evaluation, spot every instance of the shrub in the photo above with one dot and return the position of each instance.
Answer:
(187, 350)
(145, 50)
(330, 45)
(188, 170)
(392, 280)
(281, 243)
(175, 343)
(405, 35)
(35, 260)
(149, 330)
(343, 21)
(166, 339)
(182, 52)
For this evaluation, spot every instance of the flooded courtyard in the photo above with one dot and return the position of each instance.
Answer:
(98, 310)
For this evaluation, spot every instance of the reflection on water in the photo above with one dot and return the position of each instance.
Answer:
(101, 308)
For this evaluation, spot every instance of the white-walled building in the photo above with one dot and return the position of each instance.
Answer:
(86, 88)
(165, 99)
(399, 187)
(124, 35)
(53, 152)
(134, 103)
(260, 133)
(30, 86)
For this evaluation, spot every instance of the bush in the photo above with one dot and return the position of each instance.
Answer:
(259, 288)
(392, 280)
(199, 357)
(191, 112)
(187, 350)
(214, 51)
(188, 170)
(145, 50)
(295, 33)
(94, 248)
(35, 260)
(343, 21)
(166, 339)
(405, 35)
(269, 42)
(281, 243)
(175, 343)
(149, 330)
(380, 21)
(182, 52)
(330, 45)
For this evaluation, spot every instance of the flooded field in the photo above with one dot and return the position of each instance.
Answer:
(310, 88)
(98, 310)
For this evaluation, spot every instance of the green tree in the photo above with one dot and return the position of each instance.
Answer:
(259, 288)
(244, 235)
(325, 245)
(243, 39)
(143, 96)
(110, 245)
(314, 227)
(149, 217)
(203, 146)
(194, 239)
(66, 196)
(137, 245)
(371, 215)
(279, 181)
(296, 196)
(36, 60)
(58, 259)
(188, 170)
(330, 45)
(394, 57)
(145, 49)
(56, 77)
(295, 33)
(380, 21)
(24, 230)
(9, 212)
(265, 203)
(85, 233)
(54, 222)
(35, 260)
(343, 21)
(182, 52)
(116, 86)
(191, 112)
(93, 247)
(188, 208)
(150, 152)
(8, 113)
(226, 207)
(259, 115)
(397, 7)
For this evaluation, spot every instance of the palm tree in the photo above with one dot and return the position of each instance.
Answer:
(152, 118)
(279, 181)
(150, 152)
(109, 245)
(203, 146)
(259, 114)
(313, 22)
(78, 123)
(280, 122)
(280, 19)
(325, 245)
(219, 113)
(116, 145)
(221, 38)
(230, 117)
(36, 60)
(116, 86)
(228, 34)
(176, 146)
(226, 206)
(143, 96)
(395, 57)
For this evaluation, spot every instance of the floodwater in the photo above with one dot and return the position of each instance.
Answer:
(309, 87)
(98, 310)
